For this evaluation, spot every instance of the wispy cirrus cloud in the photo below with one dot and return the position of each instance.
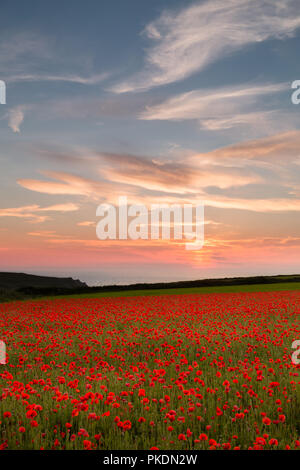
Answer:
(224, 183)
(43, 233)
(263, 120)
(187, 41)
(16, 48)
(87, 223)
(70, 184)
(35, 212)
(135, 174)
(93, 79)
(281, 148)
(167, 177)
(258, 175)
(65, 184)
(218, 109)
(32, 57)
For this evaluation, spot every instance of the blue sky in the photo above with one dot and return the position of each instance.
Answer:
(159, 100)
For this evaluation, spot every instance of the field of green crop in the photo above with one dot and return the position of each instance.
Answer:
(282, 286)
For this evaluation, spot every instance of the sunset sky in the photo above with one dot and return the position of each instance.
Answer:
(162, 101)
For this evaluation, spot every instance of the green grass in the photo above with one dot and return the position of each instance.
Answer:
(189, 290)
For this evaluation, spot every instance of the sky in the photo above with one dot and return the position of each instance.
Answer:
(162, 102)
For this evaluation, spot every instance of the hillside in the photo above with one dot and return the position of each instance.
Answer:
(17, 281)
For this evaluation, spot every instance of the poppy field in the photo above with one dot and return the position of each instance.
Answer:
(158, 372)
